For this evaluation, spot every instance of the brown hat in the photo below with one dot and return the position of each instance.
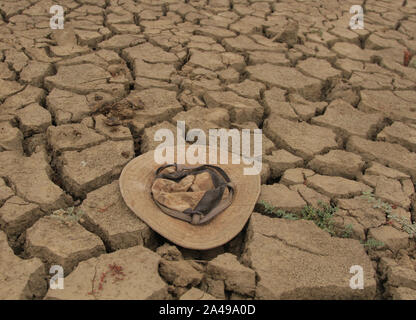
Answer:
(194, 206)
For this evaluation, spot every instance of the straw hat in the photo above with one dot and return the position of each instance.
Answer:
(138, 178)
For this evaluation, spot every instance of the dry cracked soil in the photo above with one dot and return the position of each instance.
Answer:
(338, 112)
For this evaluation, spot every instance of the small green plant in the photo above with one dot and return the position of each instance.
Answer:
(348, 230)
(377, 203)
(273, 211)
(388, 209)
(268, 208)
(409, 228)
(372, 243)
(318, 31)
(322, 216)
(68, 215)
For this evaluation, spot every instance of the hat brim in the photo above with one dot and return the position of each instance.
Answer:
(135, 185)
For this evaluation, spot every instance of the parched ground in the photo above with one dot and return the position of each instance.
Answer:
(338, 113)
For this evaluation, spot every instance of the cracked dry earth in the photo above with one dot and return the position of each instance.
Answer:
(338, 113)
